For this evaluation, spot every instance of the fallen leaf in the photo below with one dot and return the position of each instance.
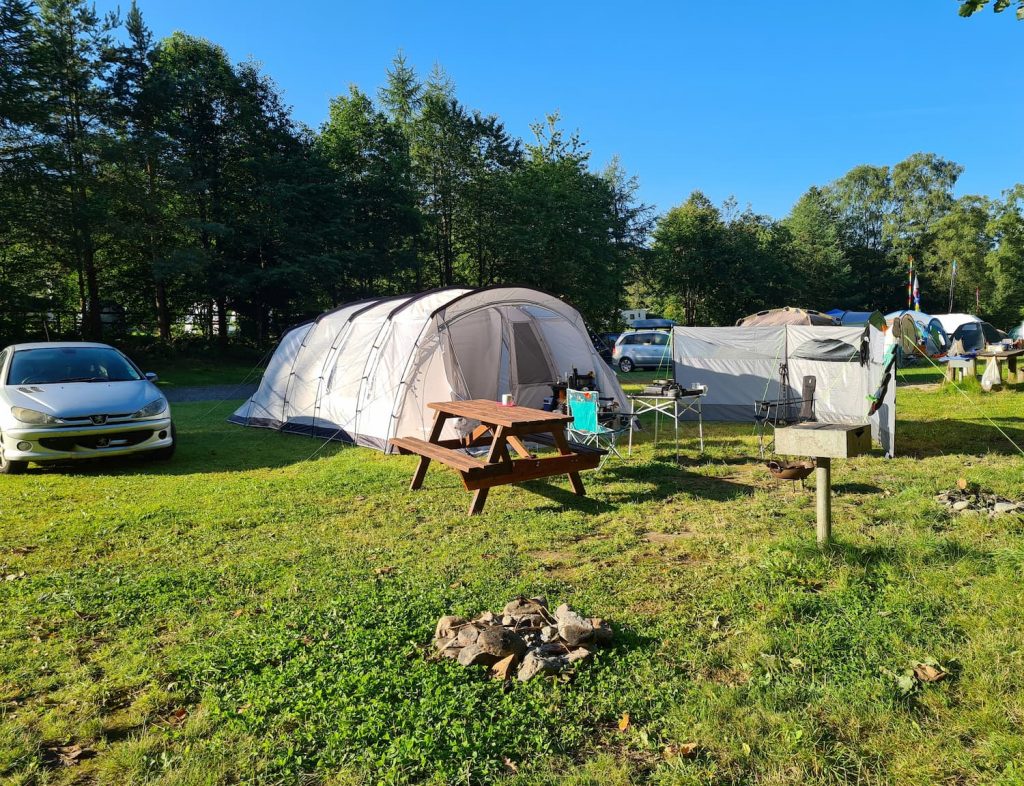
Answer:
(15, 576)
(501, 670)
(178, 715)
(306, 640)
(22, 550)
(686, 750)
(961, 483)
(237, 613)
(383, 570)
(68, 755)
(511, 765)
(746, 749)
(243, 709)
(624, 721)
(906, 683)
(927, 672)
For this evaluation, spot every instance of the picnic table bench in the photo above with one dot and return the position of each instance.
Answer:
(500, 427)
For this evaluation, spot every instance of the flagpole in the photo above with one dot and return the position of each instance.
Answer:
(952, 278)
(910, 283)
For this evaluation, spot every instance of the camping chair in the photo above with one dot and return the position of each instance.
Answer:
(585, 428)
(778, 413)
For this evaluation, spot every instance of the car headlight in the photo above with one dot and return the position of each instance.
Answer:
(152, 409)
(33, 417)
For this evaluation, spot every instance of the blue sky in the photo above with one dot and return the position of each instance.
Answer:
(758, 100)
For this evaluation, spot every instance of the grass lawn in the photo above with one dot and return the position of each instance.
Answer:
(259, 610)
(181, 372)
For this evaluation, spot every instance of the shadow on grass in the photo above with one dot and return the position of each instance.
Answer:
(864, 556)
(660, 481)
(945, 436)
(249, 450)
(855, 488)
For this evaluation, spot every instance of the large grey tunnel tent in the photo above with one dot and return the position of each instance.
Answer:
(365, 372)
(741, 365)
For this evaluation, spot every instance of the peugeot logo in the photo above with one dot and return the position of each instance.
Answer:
(98, 420)
(103, 442)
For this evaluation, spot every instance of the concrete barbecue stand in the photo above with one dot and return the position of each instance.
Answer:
(824, 441)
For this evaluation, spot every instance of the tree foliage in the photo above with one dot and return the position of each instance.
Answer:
(158, 187)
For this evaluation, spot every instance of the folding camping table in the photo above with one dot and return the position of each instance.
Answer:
(500, 427)
(671, 406)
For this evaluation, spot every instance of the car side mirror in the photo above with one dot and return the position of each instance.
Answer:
(151, 376)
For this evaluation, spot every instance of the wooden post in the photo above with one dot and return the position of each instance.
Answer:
(823, 478)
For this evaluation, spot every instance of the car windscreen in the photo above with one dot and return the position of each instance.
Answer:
(50, 365)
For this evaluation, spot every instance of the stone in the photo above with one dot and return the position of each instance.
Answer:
(548, 633)
(504, 668)
(602, 630)
(580, 653)
(501, 642)
(452, 650)
(572, 627)
(448, 626)
(508, 620)
(961, 505)
(468, 635)
(473, 656)
(1004, 507)
(488, 617)
(521, 606)
(534, 664)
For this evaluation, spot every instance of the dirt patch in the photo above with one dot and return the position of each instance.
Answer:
(667, 537)
(552, 557)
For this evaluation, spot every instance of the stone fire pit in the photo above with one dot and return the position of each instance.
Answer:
(966, 497)
(524, 640)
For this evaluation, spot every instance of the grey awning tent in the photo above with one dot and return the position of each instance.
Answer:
(742, 365)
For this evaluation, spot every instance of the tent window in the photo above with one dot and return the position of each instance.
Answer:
(831, 349)
(531, 365)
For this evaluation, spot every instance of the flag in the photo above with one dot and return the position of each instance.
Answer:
(910, 282)
(917, 295)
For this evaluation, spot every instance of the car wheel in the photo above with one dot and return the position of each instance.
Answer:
(8, 467)
(626, 365)
(165, 454)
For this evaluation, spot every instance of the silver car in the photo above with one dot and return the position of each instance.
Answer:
(77, 400)
(642, 349)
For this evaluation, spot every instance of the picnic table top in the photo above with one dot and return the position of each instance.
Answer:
(494, 414)
(1008, 353)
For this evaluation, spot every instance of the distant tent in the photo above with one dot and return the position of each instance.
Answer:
(787, 316)
(365, 372)
(853, 318)
(917, 333)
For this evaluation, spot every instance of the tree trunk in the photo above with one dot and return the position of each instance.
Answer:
(222, 322)
(163, 313)
(93, 327)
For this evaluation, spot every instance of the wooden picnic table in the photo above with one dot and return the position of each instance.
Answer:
(500, 427)
(1014, 373)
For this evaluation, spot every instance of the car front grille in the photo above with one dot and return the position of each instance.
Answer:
(117, 439)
